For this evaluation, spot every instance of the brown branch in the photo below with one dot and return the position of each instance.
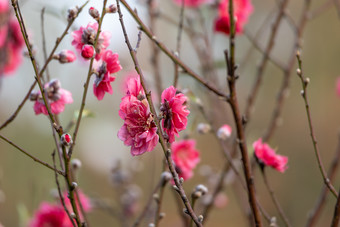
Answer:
(167, 152)
(336, 217)
(172, 56)
(31, 156)
(275, 200)
(231, 78)
(315, 213)
(305, 82)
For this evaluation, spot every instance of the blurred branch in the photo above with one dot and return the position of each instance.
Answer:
(178, 42)
(172, 56)
(265, 57)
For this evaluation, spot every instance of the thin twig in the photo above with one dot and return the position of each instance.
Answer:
(44, 41)
(315, 213)
(304, 82)
(178, 41)
(31, 156)
(336, 217)
(147, 205)
(155, 50)
(86, 85)
(167, 152)
(275, 200)
(159, 203)
(60, 193)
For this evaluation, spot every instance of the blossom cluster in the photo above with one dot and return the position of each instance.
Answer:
(11, 40)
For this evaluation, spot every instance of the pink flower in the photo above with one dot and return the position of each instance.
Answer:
(84, 200)
(191, 3)
(338, 86)
(185, 157)
(11, 43)
(242, 10)
(87, 35)
(139, 130)
(132, 86)
(50, 215)
(4, 6)
(266, 156)
(87, 51)
(174, 112)
(66, 56)
(107, 65)
(57, 98)
(224, 132)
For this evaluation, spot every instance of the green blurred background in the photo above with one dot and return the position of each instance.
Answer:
(24, 183)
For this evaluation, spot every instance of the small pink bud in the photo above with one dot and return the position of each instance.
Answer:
(87, 51)
(94, 13)
(224, 132)
(66, 56)
(66, 139)
(111, 9)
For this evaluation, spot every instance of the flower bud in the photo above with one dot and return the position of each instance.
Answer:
(34, 95)
(87, 51)
(76, 164)
(111, 9)
(94, 13)
(224, 132)
(66, 56)
(66, 139)
(166, 177)
(203, 128)
(202, 189)
(72, 14)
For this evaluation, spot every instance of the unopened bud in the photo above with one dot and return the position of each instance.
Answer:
(87, 51)
(298, 71)
(200, 218)
(151, 225)
(34, 95)
(72, 14)
(203, 128)
(166, 177)
(111, 9)
(73, 215)
(75, 163)
(74, 185)
(224, 132)
(66, 139)
(66, 56)
(161, 215)
(94, 13)
(202, 188)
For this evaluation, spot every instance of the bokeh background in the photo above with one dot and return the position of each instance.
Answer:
(24, 183)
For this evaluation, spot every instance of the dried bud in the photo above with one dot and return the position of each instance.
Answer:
(94, 13)
(111, 9)
(72, 14)
(66, 139)
(224, 132)
(203, 128)
(88, 51)
(66, 56)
